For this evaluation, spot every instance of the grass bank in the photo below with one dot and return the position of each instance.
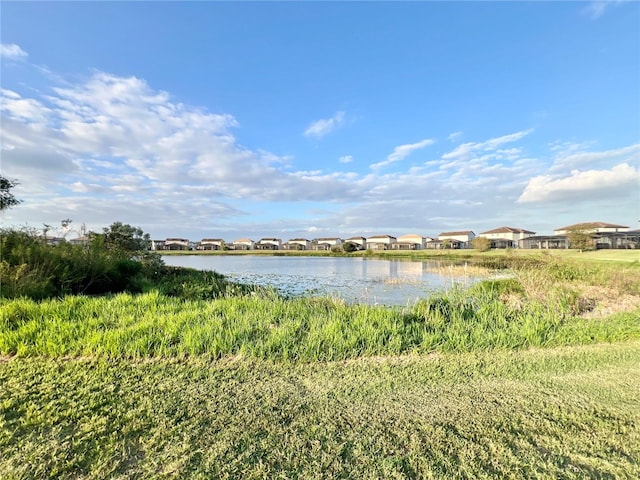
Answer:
(568, 412)
(316, 329)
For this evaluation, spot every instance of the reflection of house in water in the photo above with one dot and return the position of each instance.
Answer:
(409, 269)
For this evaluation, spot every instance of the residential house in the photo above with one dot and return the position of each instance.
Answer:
(157, 244)
(327, 243)
(81, 240)
(598, 240)
(243, 244)
(176, 244)
(448, 243)
(380, 242)
(297, 244)
(626, 239)
(411, 241)
(210, 244)
(544, 242)
(459, 239)
(268, 244)
(506, 237)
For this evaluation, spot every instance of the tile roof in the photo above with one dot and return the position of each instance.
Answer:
(508, 230)
(589, 225)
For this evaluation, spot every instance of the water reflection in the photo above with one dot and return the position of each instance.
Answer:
(356, 280)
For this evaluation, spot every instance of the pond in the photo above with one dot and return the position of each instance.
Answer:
(356, 280)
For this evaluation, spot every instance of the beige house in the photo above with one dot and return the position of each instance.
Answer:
(506, 237)
(411, 241)
(243, 244)
(592, 227)
(380, 242)
(210, 244)
(296, 244)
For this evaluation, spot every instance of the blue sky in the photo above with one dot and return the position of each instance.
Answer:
(314, 119)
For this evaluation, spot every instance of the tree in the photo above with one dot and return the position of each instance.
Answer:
(124, 239)
(7, 200)
(482, 244)
(349, 247)
(579, 239)
(447, 244)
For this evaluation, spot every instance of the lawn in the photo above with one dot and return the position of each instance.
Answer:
(566, 412)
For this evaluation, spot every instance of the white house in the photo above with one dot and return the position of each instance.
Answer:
(463, 236)
(380, 242)
(327, 243)
(592, 227)
(210, 244)
(176, 244)
(506, 237)
(268, 244)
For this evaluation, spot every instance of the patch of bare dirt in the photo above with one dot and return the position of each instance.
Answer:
(607, 301)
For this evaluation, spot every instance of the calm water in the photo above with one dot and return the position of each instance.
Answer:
(357, 280)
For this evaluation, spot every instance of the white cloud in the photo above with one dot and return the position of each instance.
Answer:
(346, 159)
(322, 127)
(465, 149)
(454, 136)
(596, 9)
(574, 158)
(402, 151)
(586, 185)
(12, 51)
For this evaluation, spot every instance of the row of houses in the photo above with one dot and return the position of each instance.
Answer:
(603, 235)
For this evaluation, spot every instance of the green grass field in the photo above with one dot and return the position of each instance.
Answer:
(516, 378)
(568, 412)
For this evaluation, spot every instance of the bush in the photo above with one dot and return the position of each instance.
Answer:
(481, 244)
(349, 247)
(32, 268)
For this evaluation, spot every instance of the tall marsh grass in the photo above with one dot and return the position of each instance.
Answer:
(263, 325)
